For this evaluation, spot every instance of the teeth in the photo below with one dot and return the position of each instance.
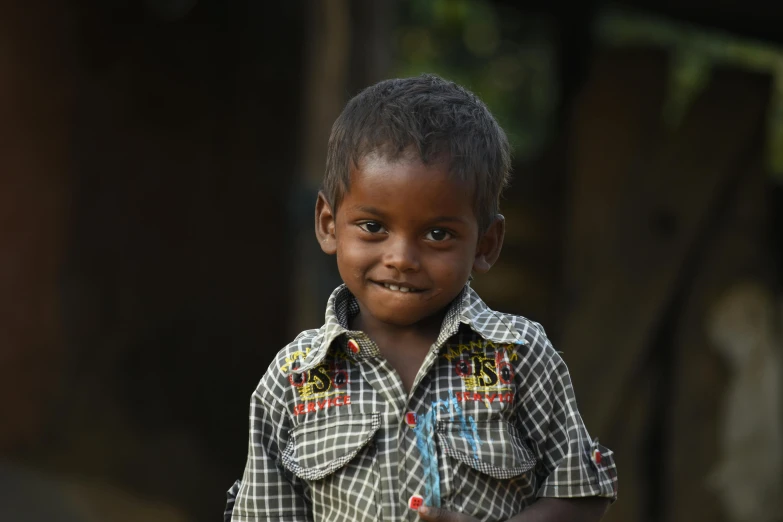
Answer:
(396, 288)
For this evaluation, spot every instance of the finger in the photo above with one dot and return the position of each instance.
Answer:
(433, 514)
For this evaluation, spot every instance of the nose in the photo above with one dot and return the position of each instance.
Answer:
(402, 254)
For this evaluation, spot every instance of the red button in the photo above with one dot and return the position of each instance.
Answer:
(353, 346)
(597, 456)
(410, 419)
(415, 502)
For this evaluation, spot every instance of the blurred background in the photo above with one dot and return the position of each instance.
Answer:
(159, 161)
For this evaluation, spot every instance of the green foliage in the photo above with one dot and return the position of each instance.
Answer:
(695, 52)
(504, 57)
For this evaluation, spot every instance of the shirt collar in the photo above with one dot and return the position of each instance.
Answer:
(467, 308)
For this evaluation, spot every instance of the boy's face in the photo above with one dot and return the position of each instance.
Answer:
(406, 239)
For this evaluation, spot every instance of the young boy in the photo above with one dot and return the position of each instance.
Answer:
(415, 401)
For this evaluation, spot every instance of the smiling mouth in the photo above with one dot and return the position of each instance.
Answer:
(400, 288)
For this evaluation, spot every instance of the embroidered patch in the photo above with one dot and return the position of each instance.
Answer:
(294, 360)
(298, 379)
(297, 358)
(464, 368)
(321, 381)
(458, 351)
(487, 397)
(316, 405)
(504, 370)
(481, 371)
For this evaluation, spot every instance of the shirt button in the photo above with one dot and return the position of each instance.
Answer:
(415, 502)
(410, 419)
(597, 456)
(353, 346)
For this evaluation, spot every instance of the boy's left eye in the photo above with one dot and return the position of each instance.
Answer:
(438, 234)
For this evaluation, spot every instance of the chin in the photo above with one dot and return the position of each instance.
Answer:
(401, 318)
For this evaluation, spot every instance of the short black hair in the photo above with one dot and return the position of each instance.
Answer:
(425, 115)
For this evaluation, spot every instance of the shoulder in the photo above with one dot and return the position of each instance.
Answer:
(540, 369)
(535, 356)
(299, 351)
(528, 336)
(280, 376)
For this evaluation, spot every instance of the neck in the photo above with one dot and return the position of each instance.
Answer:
(387, 335)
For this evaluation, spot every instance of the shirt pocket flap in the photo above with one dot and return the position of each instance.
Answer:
(318, 448)
(494, 448)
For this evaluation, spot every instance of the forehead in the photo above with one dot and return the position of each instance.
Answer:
(409, 188)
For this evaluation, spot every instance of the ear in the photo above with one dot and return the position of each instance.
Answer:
(489, 245)
(325, 225)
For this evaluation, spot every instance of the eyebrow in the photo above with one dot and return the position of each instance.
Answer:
(439, 219)
(448, 219)
(370, 210)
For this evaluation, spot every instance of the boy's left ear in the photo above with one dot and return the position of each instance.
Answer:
(489, 245)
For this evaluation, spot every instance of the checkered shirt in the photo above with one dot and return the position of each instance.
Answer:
(490, 424)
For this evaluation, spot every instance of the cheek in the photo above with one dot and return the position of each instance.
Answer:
(452, 269)
(354, 256)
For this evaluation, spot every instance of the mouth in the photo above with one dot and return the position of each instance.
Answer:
(399, 287)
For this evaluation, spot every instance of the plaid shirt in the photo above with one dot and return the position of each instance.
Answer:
(489, 425)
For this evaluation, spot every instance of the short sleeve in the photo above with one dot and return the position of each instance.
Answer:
(570, 463)
(231, 497)
(267, 491)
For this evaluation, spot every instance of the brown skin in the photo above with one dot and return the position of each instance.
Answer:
(543, 510)
(411, 225)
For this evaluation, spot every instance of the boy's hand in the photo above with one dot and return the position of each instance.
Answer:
(589, 509)
(432, 514)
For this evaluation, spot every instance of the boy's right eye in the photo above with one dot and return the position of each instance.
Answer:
(371, 226)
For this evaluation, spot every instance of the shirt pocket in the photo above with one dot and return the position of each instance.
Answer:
(335, 457)
(487, 469)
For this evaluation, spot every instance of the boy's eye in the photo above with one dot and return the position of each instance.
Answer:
(438, 234)
(371, 226)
